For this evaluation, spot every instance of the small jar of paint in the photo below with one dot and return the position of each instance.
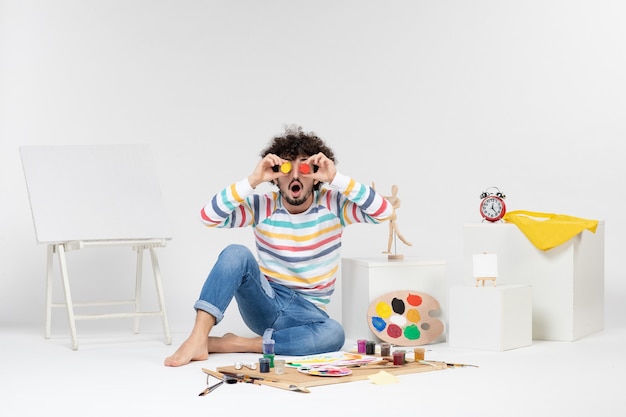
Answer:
(268, 346)
(418, 354)
(370, 347)
(268, 351)
(385, 349)
(279, 366)
(264, 365)
(269, 356)
(360, 345)
(398, 357)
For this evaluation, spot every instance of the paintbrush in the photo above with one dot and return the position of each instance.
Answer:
(372, 365)
(459, 365)
(262, 381)
(449, 365)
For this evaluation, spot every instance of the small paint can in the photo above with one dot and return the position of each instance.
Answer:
(418, 354)
(398, 357)
(370, 347)
(269, 356)
(268, 346)
(360, 345)
(279, 366)
(264, 365)
(385, 349)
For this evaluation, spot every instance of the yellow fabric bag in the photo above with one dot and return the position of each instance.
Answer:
(547, 230)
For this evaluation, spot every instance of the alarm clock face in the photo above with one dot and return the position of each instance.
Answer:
(492, 208)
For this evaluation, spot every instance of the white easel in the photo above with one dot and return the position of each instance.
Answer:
(96, 196)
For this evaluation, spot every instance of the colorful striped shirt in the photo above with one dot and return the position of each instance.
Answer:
(300, 251)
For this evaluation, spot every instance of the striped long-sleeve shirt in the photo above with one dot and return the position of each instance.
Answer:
(300, 251)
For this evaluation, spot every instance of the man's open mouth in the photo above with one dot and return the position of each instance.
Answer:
(295, 188)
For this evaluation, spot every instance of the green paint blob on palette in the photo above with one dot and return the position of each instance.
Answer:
(405, 318)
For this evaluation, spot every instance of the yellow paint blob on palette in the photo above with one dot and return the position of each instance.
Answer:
(405, 318)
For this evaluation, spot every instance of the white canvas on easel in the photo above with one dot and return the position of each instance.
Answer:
(93, 196)
(485, 267)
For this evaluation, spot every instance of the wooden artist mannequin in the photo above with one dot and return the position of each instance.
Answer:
(393, 224)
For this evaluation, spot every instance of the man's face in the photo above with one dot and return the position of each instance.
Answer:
(296, 188)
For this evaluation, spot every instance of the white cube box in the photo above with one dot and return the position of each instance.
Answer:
(365, 279)
(490, 318)
(567, 281)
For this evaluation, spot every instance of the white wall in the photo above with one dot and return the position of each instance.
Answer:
(443, 98)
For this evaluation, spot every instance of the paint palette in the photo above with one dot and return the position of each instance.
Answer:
(325, 370)
(405, 318)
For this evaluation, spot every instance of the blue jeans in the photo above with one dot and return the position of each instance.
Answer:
(300, 327)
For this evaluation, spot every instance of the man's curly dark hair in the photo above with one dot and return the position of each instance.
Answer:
(294, 143)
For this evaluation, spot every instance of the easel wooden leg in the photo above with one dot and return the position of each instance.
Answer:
(68, 295)
(138, 285)
(483, 279)
(157, 281)
(49, 273)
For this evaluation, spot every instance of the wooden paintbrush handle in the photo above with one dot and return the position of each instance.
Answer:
(281, 385)
(216, 374)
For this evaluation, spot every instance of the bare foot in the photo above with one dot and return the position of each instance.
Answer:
(192, 349)
(231, 343)
(197, 349)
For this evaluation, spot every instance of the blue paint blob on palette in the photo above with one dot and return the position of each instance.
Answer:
(378, 323)
(405, 318)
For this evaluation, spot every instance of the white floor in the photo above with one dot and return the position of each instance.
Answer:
(120, 373)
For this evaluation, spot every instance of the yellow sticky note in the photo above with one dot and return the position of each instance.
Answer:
(383, 378)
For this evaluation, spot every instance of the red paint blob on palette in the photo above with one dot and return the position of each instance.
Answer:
(414, 299)
(405, 318)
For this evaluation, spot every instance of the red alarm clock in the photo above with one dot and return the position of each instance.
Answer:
(492, 207)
